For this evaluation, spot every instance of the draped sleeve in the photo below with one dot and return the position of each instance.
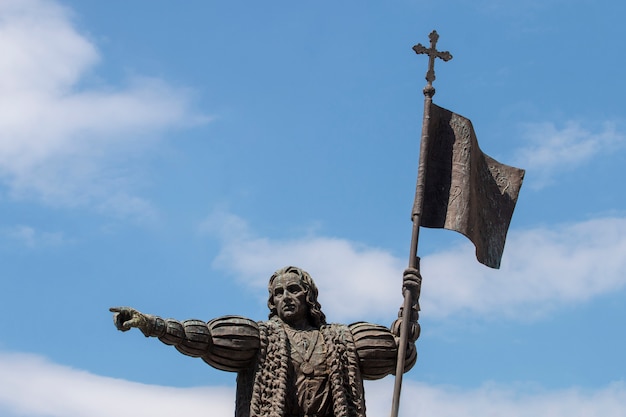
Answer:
(228, 343)
(377, 349)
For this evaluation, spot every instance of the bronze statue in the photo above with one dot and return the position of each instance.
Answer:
(294, 364)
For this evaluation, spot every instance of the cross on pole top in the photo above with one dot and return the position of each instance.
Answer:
(432, 53)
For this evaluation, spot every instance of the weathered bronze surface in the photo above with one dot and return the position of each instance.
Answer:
(458, 188)
(429, 92)
(295, 363)
(432, 53)
(466, 190)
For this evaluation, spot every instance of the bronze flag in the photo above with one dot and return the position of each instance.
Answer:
(466, 190)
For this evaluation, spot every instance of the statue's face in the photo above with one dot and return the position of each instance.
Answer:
(290, 300)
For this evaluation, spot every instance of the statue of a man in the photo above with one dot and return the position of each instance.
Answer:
(294, 364)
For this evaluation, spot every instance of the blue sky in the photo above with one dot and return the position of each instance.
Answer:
(171, 157)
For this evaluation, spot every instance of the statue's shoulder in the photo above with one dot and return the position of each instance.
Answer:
(232, 320)
(234, 343)
(376, 347)
(357, 328)
(363, 326)
(369, 334)
(233, 327)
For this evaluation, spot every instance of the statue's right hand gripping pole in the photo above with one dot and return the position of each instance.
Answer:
(412, 281)
(409, 328)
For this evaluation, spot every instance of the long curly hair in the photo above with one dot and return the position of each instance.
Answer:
(316, 316)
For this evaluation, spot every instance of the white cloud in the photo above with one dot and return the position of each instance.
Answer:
(552, 150)
(352, 278)
(494, 400)
(31, 237)
(542, 269)
(60, 140)
(31, 386)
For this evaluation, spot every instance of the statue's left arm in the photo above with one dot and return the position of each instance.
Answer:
(377, 346)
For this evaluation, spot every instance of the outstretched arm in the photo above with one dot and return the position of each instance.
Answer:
(228, 343)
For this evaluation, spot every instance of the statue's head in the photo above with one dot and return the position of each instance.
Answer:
(293, 295)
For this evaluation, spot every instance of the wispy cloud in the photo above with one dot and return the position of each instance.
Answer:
(62, 142)
(551, 150)
(542, 269)
(31, 386)
(31, 237)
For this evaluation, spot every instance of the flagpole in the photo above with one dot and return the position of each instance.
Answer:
(418, 203)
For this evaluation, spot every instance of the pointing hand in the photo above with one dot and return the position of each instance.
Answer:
(127, 317)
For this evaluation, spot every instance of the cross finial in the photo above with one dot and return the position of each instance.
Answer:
(432, 54)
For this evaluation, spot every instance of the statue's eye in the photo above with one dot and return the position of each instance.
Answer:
(295, 289)
(279, 291)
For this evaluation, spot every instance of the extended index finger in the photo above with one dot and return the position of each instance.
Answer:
(116, 309)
